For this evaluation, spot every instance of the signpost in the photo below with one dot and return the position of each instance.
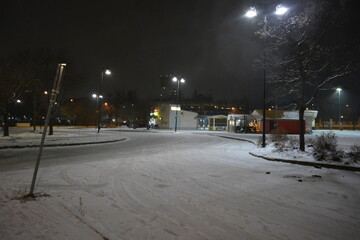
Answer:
(55, 91)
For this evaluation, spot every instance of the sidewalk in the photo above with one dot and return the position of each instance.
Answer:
(63, 136)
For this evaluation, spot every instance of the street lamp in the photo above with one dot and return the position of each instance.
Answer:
(251, 13)
(16, 110)
(340, 124)
(103, 72)
(178, 81)
(97, 97)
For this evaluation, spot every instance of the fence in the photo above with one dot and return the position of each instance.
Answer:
(334, 125)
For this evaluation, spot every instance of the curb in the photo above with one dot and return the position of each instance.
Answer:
(318, 165)
(62, 144)
(232, 138)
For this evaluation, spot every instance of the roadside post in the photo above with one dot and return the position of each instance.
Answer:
(54, 92)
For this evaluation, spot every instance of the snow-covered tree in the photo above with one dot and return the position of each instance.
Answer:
(304, 53)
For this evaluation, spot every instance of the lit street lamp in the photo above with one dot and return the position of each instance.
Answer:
(97, 97)
(340, 124)
(175, 79)
(106, 72)
(251, 13)
(16, 110)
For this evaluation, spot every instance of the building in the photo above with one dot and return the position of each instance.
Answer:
(164, 117)
(214, 122)
(242, 123)
(287, 120)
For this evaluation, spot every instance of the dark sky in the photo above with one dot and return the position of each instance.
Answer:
(207, 42)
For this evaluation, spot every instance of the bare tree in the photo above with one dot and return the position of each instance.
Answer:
(303, 54)
(30, 71)
(13, 82)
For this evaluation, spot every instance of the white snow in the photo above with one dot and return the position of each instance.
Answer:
(346, 139)
(184, 185)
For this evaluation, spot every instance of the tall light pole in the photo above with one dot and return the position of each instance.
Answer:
(251, 13)
(97, 97)
(103, 72)
(178, 81)
(339, 92)
(16, 110)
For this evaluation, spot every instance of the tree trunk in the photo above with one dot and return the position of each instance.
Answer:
(301, 114)
(34, 121)
(6, 124)
(302, 128)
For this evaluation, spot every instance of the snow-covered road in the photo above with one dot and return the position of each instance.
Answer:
(174, 186)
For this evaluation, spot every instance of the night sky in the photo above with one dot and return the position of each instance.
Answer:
(207, 42)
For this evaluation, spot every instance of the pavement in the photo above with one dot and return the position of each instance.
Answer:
(70, 136)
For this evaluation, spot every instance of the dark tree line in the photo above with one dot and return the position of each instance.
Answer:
(26, 72)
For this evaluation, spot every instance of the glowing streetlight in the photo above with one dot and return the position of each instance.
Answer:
(106, 72)
(251, 13)
(16, 109)
(340, 124)
(280, 10)
(182, 80)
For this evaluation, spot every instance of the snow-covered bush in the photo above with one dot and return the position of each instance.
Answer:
(353, 154)
(279, 138)
(293, 143)
(325, 148)
(259, 142)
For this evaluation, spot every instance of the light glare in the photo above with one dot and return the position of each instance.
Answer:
(251, 12)
(280, 10)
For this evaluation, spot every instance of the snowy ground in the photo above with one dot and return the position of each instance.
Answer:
(26, 137)
(346, 139)
(187, 185)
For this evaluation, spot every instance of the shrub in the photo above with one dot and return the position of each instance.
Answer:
(354, 154)
(259, 142)
(325, 148)
(279, 138)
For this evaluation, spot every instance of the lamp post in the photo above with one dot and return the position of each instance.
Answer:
(97, 97)
(103, 72)
(16, 110)
(251, 13)
(339, 92)
(178, 81)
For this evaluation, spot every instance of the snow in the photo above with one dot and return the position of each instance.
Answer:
(184, 185)
(26, 137)
(346, 139)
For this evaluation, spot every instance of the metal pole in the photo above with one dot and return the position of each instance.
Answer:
(177, 105)
(264, 88)
(99, 99)
(340, 124)
(16, 112)
(54, 93)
